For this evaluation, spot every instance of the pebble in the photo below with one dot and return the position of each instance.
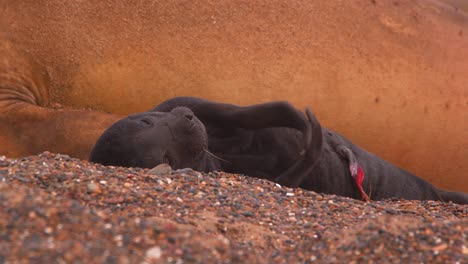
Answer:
(161, 170)
(48, 230)
(92, 187)
(187, 171)
(51, 209)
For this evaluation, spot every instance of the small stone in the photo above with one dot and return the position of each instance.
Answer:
(182, 171)
(48, 230)
(62, 157)
(32, 214)
(21, 179)
(223, 239)
(161, 169)
(440, 247)
(200, 195)
(154, 253)
(188, 171)
(103, 182)
(290, 194)
(118, 239)
(247, 214)
(92, 187)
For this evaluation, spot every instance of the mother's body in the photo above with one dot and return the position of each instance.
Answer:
(272, 141)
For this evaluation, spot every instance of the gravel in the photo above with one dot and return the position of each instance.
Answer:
(54, 208)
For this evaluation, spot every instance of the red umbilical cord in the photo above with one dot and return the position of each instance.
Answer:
(358, 175)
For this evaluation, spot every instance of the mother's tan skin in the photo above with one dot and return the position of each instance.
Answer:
(390, 75)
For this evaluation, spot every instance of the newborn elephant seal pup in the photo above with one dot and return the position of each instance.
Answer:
(273, 140)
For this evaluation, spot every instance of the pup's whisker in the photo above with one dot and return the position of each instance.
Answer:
(207, 151)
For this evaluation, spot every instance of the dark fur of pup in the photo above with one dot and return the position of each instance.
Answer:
(273, 140)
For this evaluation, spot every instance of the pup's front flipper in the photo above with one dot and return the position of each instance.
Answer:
(266, 115)
(294, 176)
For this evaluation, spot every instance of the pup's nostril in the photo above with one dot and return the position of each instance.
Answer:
(184, 112)
(146, 121)
(189, 116)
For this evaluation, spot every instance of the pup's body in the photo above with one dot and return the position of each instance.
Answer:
(274, 141)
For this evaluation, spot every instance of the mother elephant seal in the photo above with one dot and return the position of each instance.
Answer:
(28, 122)
(272, 141)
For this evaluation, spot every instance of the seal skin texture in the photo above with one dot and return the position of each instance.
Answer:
(273, 141)
(29, 124)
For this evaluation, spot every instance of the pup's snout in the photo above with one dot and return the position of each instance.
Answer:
(189, 116)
